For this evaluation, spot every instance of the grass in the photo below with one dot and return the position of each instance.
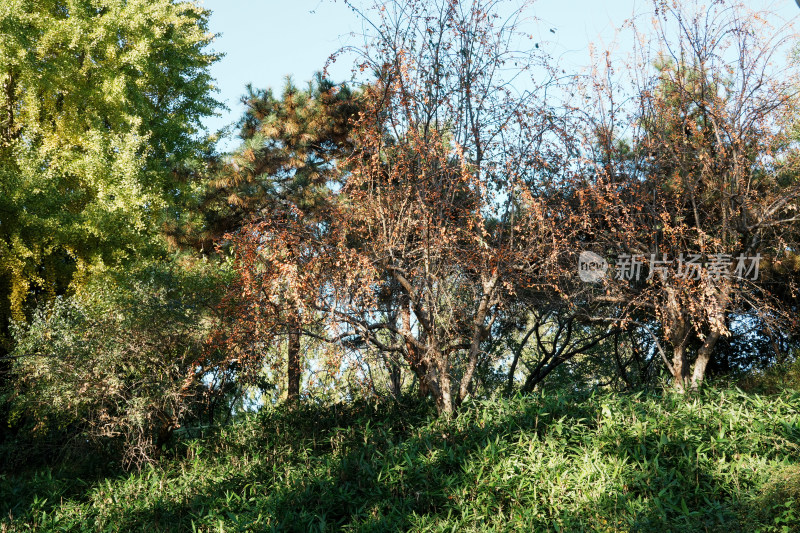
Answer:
(722, 461)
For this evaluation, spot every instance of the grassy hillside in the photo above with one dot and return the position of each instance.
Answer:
(725, 461)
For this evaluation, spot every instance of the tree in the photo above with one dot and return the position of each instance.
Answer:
(541, 337)
(290, 158)
(101, 107)
(290, 151)
(707, 181)
(438, 202)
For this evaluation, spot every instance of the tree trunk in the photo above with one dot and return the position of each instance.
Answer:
(423, 389)
(444, 400)
(293, 365)
(703, 357)
(679, 330)
(394, 379)
(680, 367)
(479, 332)
(412, 354)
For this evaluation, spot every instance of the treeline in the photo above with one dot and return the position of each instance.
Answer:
(463, 219)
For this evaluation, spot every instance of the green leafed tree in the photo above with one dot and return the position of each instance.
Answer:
(289, 154)
(100, 110)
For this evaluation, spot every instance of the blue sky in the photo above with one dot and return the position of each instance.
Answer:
(266, 40)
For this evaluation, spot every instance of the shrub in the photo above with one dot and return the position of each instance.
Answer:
(119, 364)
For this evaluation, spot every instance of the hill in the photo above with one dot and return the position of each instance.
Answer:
(722, 461)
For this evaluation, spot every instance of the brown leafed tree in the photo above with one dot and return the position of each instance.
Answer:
(439, 204)
(706, 180)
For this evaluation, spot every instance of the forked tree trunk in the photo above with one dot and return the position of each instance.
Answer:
(679, 338)
(706, 350)
(433, 374)
(679, 330)
(426, 359)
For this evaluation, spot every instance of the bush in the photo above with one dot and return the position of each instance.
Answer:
(783, 378)
(721, 461)
(118, 365)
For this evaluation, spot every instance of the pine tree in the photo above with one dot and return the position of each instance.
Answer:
(286, 167)
(288, 155)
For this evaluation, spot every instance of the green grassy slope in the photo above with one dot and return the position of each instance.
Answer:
(724, 461)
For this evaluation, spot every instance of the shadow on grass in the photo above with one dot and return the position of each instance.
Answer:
(526, 464)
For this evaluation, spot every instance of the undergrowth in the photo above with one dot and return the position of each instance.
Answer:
(721, 461)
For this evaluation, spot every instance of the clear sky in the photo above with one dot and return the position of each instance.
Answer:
(266, 40)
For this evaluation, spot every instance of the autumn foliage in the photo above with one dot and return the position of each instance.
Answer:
(703, 194)
(456, 206)
(464, 219)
